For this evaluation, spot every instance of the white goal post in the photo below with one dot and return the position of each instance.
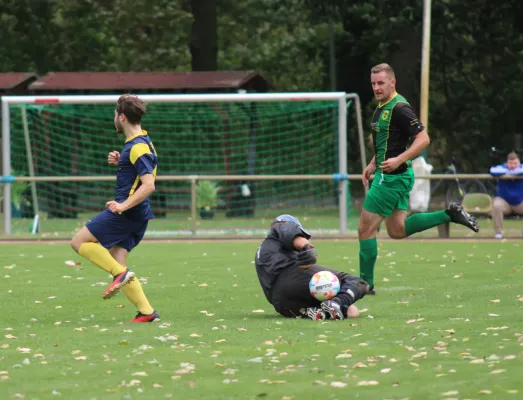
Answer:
(340, 97)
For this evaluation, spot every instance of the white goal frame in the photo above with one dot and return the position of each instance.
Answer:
(341, 97)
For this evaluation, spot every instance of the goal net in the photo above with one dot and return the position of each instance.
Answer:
(227, 165)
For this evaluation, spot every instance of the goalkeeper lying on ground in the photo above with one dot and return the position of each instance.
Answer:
(285, 264)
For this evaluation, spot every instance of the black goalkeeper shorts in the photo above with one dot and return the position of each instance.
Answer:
(291, 292)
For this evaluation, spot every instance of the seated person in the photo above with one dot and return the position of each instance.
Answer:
(509, 194)
(285, 264)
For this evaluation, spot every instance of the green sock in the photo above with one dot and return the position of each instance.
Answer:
(421, 222)
(368, 254)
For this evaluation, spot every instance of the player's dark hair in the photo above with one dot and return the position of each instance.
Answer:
(512, 156)
(132, 107)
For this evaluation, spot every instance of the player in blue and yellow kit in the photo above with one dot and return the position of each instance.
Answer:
(107, 239)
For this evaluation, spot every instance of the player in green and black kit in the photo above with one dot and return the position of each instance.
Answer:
(398, 138)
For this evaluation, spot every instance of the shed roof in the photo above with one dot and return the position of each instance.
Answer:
(9, 80)
(147, 80)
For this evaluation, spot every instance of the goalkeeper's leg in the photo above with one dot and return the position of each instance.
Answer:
(291, 296)
(352, 289)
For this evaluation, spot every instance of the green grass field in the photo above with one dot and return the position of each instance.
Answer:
(320, 221)
(446, 323)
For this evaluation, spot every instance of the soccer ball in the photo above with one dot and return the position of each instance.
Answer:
(324, 285)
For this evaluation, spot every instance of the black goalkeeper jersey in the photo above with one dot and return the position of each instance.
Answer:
(277, 253)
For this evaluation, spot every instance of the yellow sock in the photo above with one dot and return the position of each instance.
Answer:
(134, 292)
(100, 257)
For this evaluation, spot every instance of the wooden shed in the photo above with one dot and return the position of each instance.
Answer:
(148, 82)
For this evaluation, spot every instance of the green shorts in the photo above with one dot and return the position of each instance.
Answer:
(389, 192)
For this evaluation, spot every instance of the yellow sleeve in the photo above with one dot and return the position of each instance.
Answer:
(139, 150)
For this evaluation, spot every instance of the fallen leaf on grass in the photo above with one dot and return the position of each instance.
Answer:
(495, 301)
(497, 371)
(344, 355)
(195, 335)
(368, 383)
(71, 263)
(493, 315)
(221, 341)
(450, 393)
(241, 329)
(140, 373)
(411, 321)
(338, 384)
(23, 349)
(258, 311)
(485, 392)
(269, 382)
(9, 336)
(81, 358)
(207, 313)
(203, 285)
(385, 370)
(478, 361)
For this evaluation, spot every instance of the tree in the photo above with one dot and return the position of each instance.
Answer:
(204, 36)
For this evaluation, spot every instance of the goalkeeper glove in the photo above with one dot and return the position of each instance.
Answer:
(307, 256)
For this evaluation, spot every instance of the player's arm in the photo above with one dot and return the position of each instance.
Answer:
(113, 157)
(420, 143)
(409, 125)
(294, 237)
(144, 163)
(146, 188)
(368, 171)
(500, 170)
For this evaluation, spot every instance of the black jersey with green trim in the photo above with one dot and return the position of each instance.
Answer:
(394, 123)
(137, 158)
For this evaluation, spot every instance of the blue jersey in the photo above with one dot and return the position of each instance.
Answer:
(137, 158)
(509, 190)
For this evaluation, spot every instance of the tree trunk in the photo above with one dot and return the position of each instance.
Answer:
(204, 36)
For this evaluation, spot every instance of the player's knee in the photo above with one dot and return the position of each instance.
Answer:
(396, 232)
(365, 232)
(76, 243)
(353, 312)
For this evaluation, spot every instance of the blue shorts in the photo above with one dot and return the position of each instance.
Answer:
(116, 230)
